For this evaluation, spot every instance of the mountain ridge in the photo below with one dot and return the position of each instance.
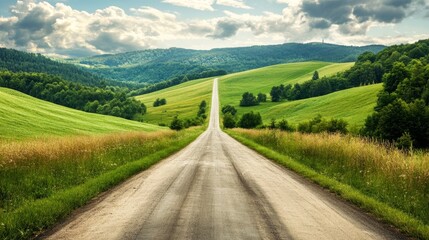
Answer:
(155, 65)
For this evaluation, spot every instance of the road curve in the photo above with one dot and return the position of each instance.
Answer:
(216, 188)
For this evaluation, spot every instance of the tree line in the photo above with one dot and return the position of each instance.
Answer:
(109, 101)
(402, 111)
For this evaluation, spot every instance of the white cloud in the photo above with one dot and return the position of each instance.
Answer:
(233, 3)
(61, 30)
(203, 5)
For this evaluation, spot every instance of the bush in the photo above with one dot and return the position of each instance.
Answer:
(228, 121)
(229, 109)
(319, 124)
(262, 97)
(248, 99)
(250, 120)
(159, 102)
(176, 124)
(284, 126)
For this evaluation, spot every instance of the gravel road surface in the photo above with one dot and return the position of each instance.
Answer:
(216, 188)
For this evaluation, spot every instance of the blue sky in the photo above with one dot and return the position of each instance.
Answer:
(89, 27)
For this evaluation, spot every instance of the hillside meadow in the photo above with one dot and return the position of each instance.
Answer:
(23, 117)
(182, 100)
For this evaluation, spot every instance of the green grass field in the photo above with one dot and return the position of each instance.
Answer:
(182, 100)
(352, 105)
(23, 117)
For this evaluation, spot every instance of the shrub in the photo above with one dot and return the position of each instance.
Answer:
(159, 102)
(229, 109)
(248, 99)
(176, 124)
(262, 97)
(250, 120)
(228, 120)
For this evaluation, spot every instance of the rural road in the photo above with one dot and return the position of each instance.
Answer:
(216, 188)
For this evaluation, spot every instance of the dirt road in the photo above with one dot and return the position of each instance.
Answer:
(217, 188)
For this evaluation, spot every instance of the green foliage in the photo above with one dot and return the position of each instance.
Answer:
(319, 124)
(107, 101)
(402, 110)
(229, 120)
(248, 99)
(155, 65)
(176, 124)
(405, 142)
(262, 97)
(315, 75)
(250, 120)
(284, 126)
(159, 102)
(229, 109)
(202, 109)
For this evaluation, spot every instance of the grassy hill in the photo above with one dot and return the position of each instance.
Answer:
(232, 86)
(154, 65)
(22, 117)
(352, 104)
(182, 100)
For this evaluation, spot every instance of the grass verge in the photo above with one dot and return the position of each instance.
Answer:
(41, 182)
(392, 185)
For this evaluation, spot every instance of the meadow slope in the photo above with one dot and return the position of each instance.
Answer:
(23, 117)
(182, 100)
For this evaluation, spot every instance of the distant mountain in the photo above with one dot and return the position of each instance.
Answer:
(17, 61)
(151, 66)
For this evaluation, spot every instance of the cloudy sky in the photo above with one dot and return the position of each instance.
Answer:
(89, 27)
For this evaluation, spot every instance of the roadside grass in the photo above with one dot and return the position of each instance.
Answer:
(42, 181)
(182, 100)
(391, 184)
(24, 117)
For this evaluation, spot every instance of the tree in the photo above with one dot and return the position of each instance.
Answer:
(315, 75)
(202, 109)
(176, 124)
(262, 97)
(276, 93)
(250, 120)
(159, 102)
(248, 99)
(228, 120)
(284, 126)
(229, 109)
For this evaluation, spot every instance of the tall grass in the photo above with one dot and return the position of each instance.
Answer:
(398, 179)
(42, 181)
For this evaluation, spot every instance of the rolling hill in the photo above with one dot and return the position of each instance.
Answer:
(18, 61)
(161, 64)
(23, 117)
(352, 104)
(182, 100)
